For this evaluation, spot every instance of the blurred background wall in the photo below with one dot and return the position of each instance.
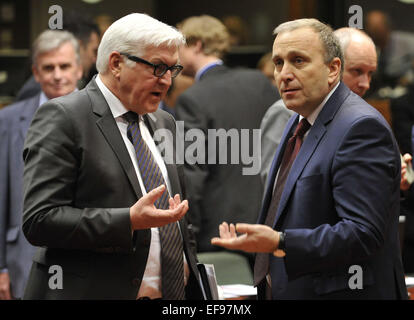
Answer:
(252, 22)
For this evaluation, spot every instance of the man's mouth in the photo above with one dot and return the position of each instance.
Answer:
(289, 90)
(157, 94)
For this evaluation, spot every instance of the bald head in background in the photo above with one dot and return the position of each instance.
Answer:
(360, 59)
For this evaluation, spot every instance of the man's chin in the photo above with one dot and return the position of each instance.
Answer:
(58, 92)
(147, 109)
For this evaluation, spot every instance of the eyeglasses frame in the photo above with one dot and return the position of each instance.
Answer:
(155, 66)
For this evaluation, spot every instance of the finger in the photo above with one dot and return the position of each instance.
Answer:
(230, 243)
(244, 227)
(224, 230)
(221, 242)
(177, 199)
(184, 207)
(233, 231)
(155, 194)
(407, 157)
(172, 204)
(179, 211)
(162, 217)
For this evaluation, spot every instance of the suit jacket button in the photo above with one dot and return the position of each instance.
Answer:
(135, 282)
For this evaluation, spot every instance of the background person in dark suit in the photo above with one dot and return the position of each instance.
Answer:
(226, 99)
(56, 67)
(338, 205)
(89, 198)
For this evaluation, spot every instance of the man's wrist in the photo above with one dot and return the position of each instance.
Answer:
(280, 251)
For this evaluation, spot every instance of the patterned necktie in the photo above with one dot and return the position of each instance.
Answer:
(261, 266)
(172, 265)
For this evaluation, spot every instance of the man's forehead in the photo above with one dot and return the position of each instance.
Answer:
(163, 53)
(360, 53)
(296, 40)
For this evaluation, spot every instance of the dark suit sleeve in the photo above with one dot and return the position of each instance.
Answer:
(53, 160)
(365, 177)
(187, 110)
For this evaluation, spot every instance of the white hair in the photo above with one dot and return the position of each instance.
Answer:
(50, 40)
(133, 34)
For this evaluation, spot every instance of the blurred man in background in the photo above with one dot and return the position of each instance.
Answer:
(57, 69)
(227, 99)
(88, 35)
(395, 52)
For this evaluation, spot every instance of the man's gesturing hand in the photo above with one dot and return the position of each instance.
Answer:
(254, 238)
(145, 215)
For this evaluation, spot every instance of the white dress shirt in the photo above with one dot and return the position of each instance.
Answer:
(151, 281)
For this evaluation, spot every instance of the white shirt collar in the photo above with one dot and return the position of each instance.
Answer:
(312, 117)
(116, 106)
(43, 98)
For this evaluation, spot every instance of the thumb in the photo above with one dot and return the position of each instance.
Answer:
(243, 227)
(155, 194)
(407, 157)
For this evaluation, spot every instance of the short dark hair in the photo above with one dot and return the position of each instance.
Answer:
(80, 26)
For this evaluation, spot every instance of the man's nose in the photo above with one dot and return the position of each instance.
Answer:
(166, 79)
(286, 73)
(364, 81)
(57, 73)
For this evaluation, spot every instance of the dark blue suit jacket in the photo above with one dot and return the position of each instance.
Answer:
(15, 252)
(339, 207)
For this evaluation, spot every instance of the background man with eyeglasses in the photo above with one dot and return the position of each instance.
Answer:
(89, 157)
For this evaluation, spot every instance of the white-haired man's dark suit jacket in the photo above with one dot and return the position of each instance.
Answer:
(79, 184)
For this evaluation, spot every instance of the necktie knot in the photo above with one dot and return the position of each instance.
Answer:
(302, 127)
(130, 117)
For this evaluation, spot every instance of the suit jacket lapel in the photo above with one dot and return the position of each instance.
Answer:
(309, 146)
(107, 124)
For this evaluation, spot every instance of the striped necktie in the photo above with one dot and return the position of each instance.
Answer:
(172, 264)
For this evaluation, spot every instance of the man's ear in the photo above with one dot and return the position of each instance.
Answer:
(79, 72)
(115, 64)
(334, 70)
(198, 47)
(35, 73)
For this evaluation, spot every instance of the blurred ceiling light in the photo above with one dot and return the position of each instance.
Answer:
(407, 1)
(92, 1)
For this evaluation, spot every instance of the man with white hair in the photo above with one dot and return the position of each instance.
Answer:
(56, 67)
(99, 198)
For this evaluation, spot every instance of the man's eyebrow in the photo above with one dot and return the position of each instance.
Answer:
(291, 53)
